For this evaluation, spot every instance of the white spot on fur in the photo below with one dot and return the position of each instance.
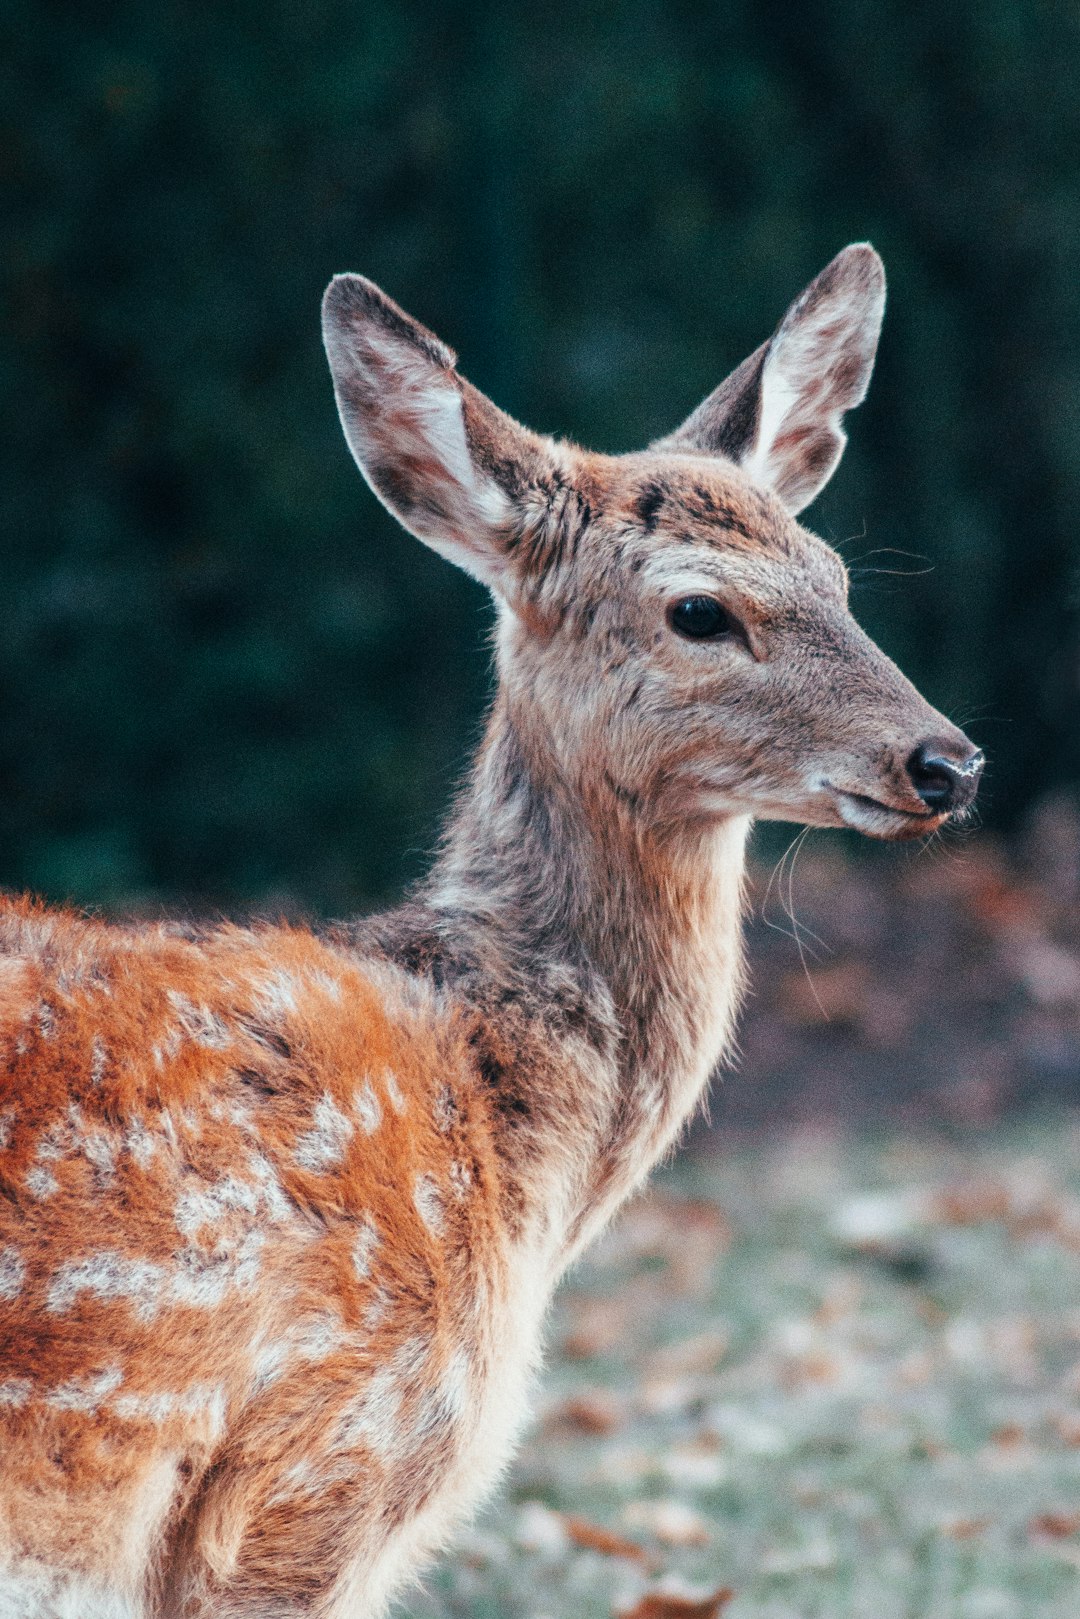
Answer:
(156, 1408)
(196, 1278)
(319, 1337)
(393, 1091)
(85, 1393)
(443, 1405)
(14, 1392)
(373, 1418)
(275, 997)
(7, 1126)
(326, 982)
(311, 1340)
(375, 1312)
(12, 1273)
(46, 1020)
(299, 1479)
(444, 1110)
(62, 1137)
(367, 1109)
(100, 1152)
(429, 1204)
(208, 1205)
(268, 1362)
(275, 1200)
(460, 1180)
(99, 1058)
(199, 1024)
(324, 1145)
(208, 1402)
(40, 1183)
(202, 1280)
(108, 1275)
(73, 1137)
(366, 1241)
(139, 1143)
(201, 1401)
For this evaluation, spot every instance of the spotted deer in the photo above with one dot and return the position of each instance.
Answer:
(283, 1207)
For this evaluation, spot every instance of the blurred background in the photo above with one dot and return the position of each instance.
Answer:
(228, 680)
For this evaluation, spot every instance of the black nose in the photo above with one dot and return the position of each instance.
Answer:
(945, 777)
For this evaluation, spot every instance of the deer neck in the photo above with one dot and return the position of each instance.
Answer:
(603, 960)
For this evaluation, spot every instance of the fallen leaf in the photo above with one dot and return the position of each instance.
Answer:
(593, 1411)
(964, 1528)
(672, 1604)
(700, 1353)
(1068, 1428)
(972, 1203)
(1008, 1436)
(591, 1537)
(1055, 1525)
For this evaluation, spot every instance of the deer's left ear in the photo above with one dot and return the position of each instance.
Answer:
(780, 413)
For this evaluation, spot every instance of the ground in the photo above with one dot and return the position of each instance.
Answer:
(834, 1377)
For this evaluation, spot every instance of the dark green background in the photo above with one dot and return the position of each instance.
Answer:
(224, 673)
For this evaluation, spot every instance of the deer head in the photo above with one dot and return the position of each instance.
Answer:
(671, 637)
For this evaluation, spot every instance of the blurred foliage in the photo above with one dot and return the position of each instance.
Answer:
(225, 674)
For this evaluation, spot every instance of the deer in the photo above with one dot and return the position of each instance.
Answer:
(283, 1207)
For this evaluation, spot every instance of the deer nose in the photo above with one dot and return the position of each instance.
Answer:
(946, 776)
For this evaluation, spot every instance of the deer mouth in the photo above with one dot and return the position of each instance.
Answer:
(877, 819)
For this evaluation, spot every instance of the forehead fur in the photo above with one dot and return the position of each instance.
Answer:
(693, 502)
(705, 499)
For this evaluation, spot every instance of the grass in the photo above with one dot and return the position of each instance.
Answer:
(840, 1377)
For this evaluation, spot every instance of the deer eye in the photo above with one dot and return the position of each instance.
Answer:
(701, 618)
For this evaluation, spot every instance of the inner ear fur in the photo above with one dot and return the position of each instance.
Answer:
(779, 414)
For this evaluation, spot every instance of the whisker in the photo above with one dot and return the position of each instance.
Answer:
(892, 551)
(838, 545)
(858, 573)
(790, 909)
(801, 927)
(798, 930)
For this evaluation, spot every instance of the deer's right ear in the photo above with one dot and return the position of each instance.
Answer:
(779, 414)
(446, 461)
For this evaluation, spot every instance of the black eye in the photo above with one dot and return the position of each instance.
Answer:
(701, 618)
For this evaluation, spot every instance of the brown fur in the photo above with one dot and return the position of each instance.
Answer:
(280, 1213)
